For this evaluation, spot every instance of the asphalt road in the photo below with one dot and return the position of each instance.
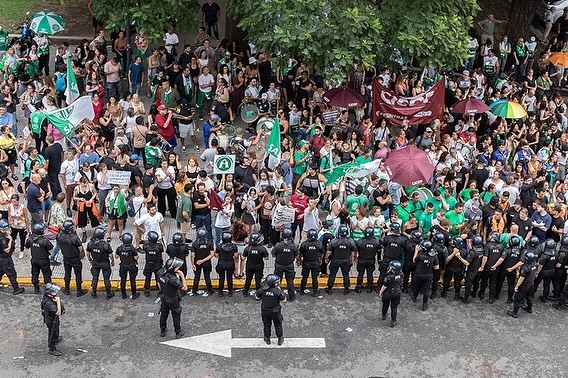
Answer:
(448, 340)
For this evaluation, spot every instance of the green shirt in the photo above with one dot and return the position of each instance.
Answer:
(451, 201)
(417, 208)
(456, 220)
(425, 222)
(404, 212)
(353, 202)
(300, 168)
(362, 160)
(504, 239)
(183, 204)
(153, 155)
(465, 194)
(486, 196)
(325, 166)
(437, 204)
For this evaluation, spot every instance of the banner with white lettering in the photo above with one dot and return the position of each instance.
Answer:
(121, 178)
(283, 215)
(421, 109)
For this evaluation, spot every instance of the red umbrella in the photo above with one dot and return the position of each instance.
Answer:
(470, 106)
(409, 166)
(343, 97)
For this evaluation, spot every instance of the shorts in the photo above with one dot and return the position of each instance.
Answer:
(184, 228)
(240, 248)
(186, 129)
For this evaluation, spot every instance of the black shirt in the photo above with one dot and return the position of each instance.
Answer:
(311, 251)
(69, 244)
(153, 254)
(270, 297)
(198, 198)
(40, 248)
(525, 226)
(54, 155)
(367, 249)
(202, 248)
(528, 271)
(126, 255)
(100, 250)
(255, 255)
(492, 251)
(425, 265)
(226, 253)
(341, 249)
(285, 253)
(393, 282)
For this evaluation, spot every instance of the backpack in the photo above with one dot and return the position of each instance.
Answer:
(130, 207)
(60, 84)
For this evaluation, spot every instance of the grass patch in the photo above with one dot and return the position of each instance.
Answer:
(14, 11)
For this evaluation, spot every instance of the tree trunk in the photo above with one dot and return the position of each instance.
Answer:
(232, 31)
(520, 19)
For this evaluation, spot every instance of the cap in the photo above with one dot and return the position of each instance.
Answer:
(252, 60)
(239, 131)
(302, 143)
(135, 157)
(162, 107)
(227, 53)
(558, 208)
(215, 117)
(465, 72)
(264, 96)
(429, 129)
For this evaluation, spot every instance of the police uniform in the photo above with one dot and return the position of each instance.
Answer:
(255, 255)
(391, 295)
(51, 320)
(367, 252)
(170, 285)
(128, 266)
(511, 257)
(201, 248)
(341, 252)
(442, 253)
(100, 251)
(546, 263)
(525, 290)
(311, 254)
(285, 252)
(226, 265)
(7, 264)
(453, 270)
(181, 251)
(422, 283)
(70, 245)
(392, 250)
(472, 276)
(409, 266)
(40, 251)
(325, 238)
(559, 280)
(491, 254)
(270, 309)
(153, 264)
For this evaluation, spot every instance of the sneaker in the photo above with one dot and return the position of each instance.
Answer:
(393, 323)
(123, 295)
(180, 334)
(328, 290)
(19, 290)
(69, 214)
(281, 340)
(135, 295)
(94, 294)
(424, 306)
(267, 340)
(110, 295)
(21, 255)
(81, 292)
(55, 352)
(528, 309)
(183, 148)
(511, 313)
(65, 291)
(55, 263)
(163, 333)
(384, 317)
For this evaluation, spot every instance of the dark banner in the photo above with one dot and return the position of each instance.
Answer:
(421, 109)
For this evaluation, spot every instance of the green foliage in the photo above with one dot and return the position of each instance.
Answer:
(151, 17)
(331, 34)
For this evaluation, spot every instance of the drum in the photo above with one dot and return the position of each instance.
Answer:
(249, 113)
(229, 130)
(265, 124)
(221, 137)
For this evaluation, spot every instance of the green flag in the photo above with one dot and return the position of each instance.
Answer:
(273, 148)
(36, 119)
(352, 170)
(72, 90)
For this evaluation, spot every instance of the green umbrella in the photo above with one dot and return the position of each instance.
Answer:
(47, 23)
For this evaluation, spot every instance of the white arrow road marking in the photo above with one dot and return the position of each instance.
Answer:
(221, 343)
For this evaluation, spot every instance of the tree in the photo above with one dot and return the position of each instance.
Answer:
(520, 18)
(332, 34)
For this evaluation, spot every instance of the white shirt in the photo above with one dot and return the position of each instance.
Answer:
(139, 207)
(170, 39)
(103, 185)
(164, 182)
(205, 79)
(69, 169)
(222, 220)
(150, 223)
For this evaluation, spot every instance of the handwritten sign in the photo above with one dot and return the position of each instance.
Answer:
(121, 178)
(283, 215)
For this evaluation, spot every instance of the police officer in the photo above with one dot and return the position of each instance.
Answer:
(285, 253)
(439, 246)
(178, 248)
(426, 260)
(202, 251)
(6, 262)
(170, 281)
(367, 253)
(128, 256)
(40, 251)
(392, 250)
(341, 253)
(491, 254)
(153, 251)
(409, 266)
(255, 255)
(524, 285)
(455, 263)
(51, 309)
(325, 235)
(545, 269)
(310, 257)
(473, 271)
(559, 280)
(225, 254)
(272, 296)
(71, 248)
(99, 253)
(390, 291)
(509, 258)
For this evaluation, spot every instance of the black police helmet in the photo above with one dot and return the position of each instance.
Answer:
(287, 234)
(416, 235)
(564, 240)
(99, 233)
(458, 241)
(51, 289)
(68, 226)
(477, 240)
(153, 237)
(343, 231)
(201, 233)
(255, 238)
(395, 266)
(533, 241)
(177, 238)
(226, 237)
(369, 232)
(272, 280)
(493, 236)
(426, 245)
(173, 263)
(38, 229)
(312, 234)
(530, 257)
(515, 241)
(395, 227)
(549, 244)
(439, 238)
(126, 238)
